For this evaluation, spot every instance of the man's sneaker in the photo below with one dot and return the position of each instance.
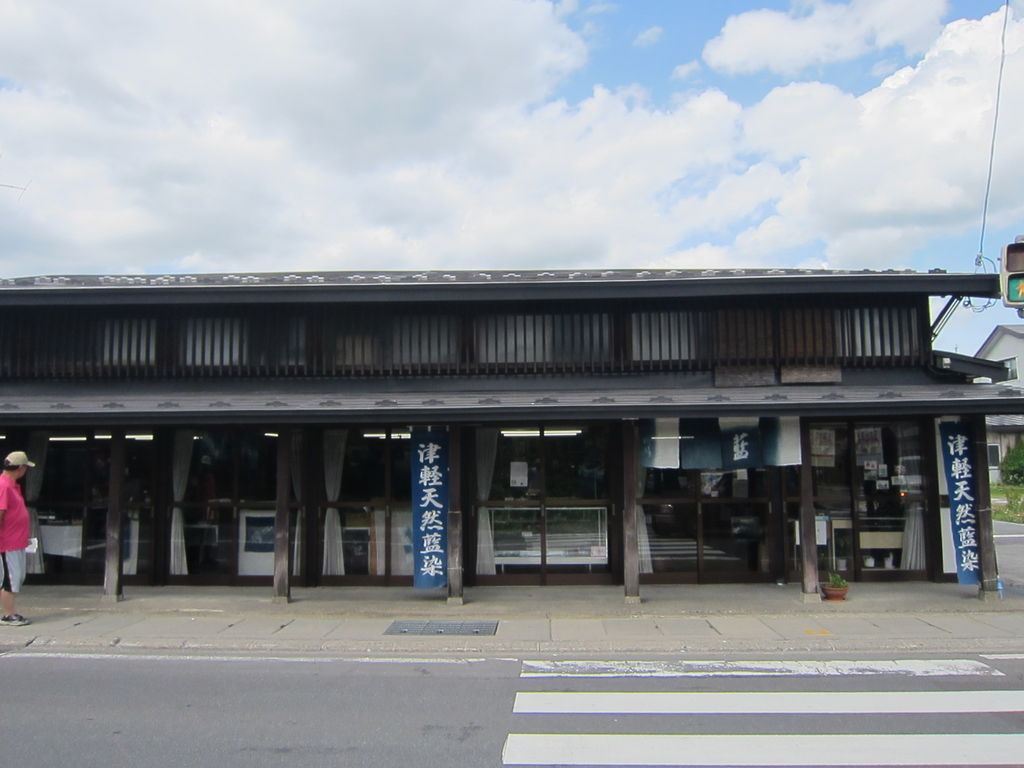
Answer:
(14, 620)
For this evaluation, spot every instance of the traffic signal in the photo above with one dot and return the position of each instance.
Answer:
(1011, 274)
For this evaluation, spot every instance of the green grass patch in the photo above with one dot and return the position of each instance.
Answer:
(1008, 503)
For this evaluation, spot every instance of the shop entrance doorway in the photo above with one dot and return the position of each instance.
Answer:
(542, 514)
(705, 527)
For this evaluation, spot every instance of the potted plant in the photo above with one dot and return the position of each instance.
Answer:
(836, 587)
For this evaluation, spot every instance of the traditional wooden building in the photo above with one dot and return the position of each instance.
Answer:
(604, 427)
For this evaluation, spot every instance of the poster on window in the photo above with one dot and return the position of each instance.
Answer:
(868, 445)
(430, 508)
(958, 464)
(823, 447)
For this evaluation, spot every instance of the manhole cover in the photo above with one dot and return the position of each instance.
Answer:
(442, 628)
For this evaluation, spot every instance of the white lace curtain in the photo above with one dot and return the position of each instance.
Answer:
(37, 445)
(334, 464)
(913, 540)
(181, 463)
(486, 455)
(401, 543)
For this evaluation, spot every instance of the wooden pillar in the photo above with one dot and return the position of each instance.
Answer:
(282, 519)
(112, 586)
(455, 592)
(986, 539)
(808, 542)
(630, 541)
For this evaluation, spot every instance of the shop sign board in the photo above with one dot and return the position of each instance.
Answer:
(430, 475)
(958, 464)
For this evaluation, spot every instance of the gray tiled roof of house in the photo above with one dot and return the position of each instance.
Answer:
(281, 401)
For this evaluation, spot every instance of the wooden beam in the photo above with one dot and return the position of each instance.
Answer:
(112, 586)
(986, 539)
(282, 518)
(455, 590)
(808, 542)
(630, 540)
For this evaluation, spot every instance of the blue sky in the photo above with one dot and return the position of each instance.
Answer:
(178, 136)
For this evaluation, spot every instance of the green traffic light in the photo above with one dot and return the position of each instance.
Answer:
(1015, 288)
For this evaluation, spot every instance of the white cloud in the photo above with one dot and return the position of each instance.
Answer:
(878, 177)
(685, 71)
(820, 32)
(649, 37)
(352, 137)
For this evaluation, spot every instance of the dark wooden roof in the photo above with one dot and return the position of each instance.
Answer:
(490, 285)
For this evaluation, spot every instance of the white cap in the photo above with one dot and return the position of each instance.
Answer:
(17, 459)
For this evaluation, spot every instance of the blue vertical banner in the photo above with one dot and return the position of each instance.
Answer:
(958, 464)
(430, 474)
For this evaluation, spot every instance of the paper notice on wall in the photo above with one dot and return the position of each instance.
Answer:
(821, 530)
(823, 447)
(518, 474)
(868, 444)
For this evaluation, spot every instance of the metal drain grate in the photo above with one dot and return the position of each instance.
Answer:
(442, 628)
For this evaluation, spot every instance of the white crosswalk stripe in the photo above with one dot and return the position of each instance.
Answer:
(764, 751)
(809, 745)
(720, 668)
(768, 703)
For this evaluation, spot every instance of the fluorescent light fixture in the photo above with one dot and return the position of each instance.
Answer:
(138, 437)
(98, 436)
(384, 436)
(270, 434)
(69, 439)
(563, 432)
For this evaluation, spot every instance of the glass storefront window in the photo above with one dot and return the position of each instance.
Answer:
(367, 523)
(516, 535)
(547, 477)
(733, 538)
(365, 465)
(889, 486)
(665, 483)
(517, 472)
(868, 497)
(668, 538)
(576, 536)
(401, 540)
(257, 465)
(574, 462)
(74, 496)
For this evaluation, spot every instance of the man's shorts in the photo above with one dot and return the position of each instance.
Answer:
(13, 566)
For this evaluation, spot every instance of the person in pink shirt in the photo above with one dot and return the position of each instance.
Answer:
(14, 530)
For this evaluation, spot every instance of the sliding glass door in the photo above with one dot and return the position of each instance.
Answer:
(542, 507)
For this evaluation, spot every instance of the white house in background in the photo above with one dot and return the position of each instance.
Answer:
(1006, 345)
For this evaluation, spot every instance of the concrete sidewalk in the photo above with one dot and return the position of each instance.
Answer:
(752, 618)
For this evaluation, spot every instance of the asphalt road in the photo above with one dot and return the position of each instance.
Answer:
(166, 710)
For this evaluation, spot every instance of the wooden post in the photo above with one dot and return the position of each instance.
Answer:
(988, 568)
(112, 587)
(630, 540)
(808, 541)
(455, 592)
(282, 519)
